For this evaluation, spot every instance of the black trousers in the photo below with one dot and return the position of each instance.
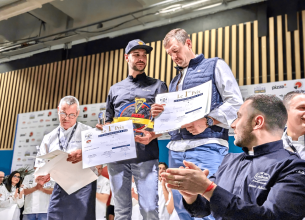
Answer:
(77, 206)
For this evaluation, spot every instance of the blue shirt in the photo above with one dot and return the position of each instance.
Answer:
(267, 185)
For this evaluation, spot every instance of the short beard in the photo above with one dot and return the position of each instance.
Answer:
(246, 137)
(136, 69)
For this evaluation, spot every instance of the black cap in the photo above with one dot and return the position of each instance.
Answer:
(137, 44)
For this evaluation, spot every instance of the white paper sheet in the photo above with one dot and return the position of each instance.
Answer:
(7, 213)
(114, 143)
(183, 107)
(71, 177)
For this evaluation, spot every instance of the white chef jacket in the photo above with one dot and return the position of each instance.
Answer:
(37, 201)
(7, 200)
(103, 187)
(50, 141)
(163, 213)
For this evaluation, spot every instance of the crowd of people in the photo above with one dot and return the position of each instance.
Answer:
(202, 180)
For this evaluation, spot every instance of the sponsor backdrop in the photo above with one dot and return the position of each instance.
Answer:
(31, 127)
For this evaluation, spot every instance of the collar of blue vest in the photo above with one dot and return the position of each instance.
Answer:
(194, 61)
(265, 148)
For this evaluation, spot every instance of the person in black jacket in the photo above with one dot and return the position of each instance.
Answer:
(264, 182)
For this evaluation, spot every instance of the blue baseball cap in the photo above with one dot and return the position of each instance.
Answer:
(137, 44)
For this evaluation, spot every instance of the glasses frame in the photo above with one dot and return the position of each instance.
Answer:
(64, 115)
(19, 177)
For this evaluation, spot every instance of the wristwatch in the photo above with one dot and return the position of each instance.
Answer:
(210, 121)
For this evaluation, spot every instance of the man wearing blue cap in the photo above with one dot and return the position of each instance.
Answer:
(131, 98)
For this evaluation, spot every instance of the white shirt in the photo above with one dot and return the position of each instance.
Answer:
(103, 187)
(225, 114)
(7, 200)
(163, 213)
(37, 201)
(299, 144)
(174, 215)
(50, 141)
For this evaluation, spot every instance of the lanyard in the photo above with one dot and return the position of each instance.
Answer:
(63, 148)
(291, 145)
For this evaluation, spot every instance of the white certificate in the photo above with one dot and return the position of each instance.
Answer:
(114, 143)
(64, 173)
(183, 107)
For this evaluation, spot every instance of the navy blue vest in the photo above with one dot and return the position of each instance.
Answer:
(200, 70)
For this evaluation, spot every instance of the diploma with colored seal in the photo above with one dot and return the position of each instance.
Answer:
(114, 143)
(183, 107)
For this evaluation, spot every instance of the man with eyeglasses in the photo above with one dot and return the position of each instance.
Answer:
(67, 137)
(2, 175)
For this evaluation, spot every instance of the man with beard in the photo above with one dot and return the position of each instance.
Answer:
(293, 137)
(264, 182)
(131, 99)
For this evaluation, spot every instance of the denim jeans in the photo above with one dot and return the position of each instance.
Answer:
(37, 216)
(146, 179)
(207, 156)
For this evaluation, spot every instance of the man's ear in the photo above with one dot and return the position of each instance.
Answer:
(188, 43)
(259, 122)
(126, 57)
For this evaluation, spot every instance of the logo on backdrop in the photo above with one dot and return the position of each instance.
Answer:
(31, 134)
(40, 115)
(85, 109)
(32, 116)
(279, 87)
(260, 89)
(49, 114)
(298, 85)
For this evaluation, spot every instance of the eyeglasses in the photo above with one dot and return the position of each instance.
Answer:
(17, 176)
(64, 115)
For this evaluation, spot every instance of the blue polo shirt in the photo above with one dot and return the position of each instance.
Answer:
(267, 185)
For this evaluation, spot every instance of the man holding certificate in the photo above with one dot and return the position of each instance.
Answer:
(67, 138)
(130, 99)
(203, 142)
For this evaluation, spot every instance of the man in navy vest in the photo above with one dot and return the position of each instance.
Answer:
(203, 142)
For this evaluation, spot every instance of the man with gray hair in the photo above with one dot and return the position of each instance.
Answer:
(293, 137)
(67, 137)
(205, 141)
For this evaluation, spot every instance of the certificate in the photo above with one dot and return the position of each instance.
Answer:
(114, 143)
(183, 107)
(65, 173)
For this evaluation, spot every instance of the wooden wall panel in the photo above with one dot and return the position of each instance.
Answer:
(213, 43)
(280, 54)
(109, 73)
(163, 62)
(78, 80)
(74, 77)
(272, 49)
(219, 43)
(26, 91)
(91, 78)
(38, 88)
(121, 64)
(200, 42)
(168, 70)
(42, 95)
(105, 91)
(234, 50)
(157, 60)
(57, 75)
(264, 59)
(66, 82)
(152, 59)
(3, 107)
(256, 52)
(227, 45)
(206, 44)
(70, 78)
(115, 67)
(249, 53)
(34, 86)
(241, 54)
(303, 27)
(53, 88)
(87, 78)
(194, 42)
(297, 55)
(288, 51)
(83, 73)
(96, 78)
(61, 81)
(100, 79)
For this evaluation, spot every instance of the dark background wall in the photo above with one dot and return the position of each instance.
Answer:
(260, 11)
